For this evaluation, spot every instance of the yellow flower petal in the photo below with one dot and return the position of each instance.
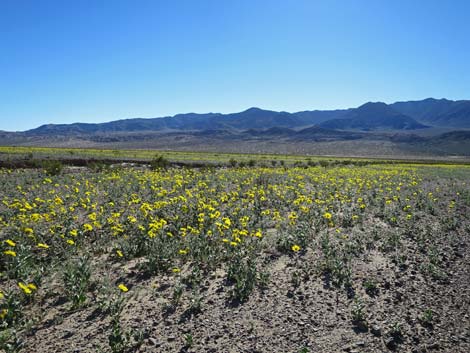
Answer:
(123, 288)
(10, 252)
(10, 242)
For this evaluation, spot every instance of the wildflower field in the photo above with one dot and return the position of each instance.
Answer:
(354, 258)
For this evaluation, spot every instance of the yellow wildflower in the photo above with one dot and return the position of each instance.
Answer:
(3, 313)
(123, 288)
(24, 288)
(10, 242)
(295, 248)
(10, 252)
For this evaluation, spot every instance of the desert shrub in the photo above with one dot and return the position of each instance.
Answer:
(159, 162)
(98, 166)
(52, 167)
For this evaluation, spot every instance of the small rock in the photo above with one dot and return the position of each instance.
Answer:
(67, 334)
(154, 342)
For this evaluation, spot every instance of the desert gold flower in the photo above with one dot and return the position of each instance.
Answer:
(3, 313)
(43, 246)
(10, 252)
(10, 242)
(123, 288)
(295, 248)
(132, 219)
(25, 288)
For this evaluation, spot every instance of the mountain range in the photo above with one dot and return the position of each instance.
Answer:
(411, 115)
(429, 126)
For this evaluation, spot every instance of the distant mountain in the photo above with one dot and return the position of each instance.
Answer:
(458, 116)
(412, 115)
(437, 112)
(373, 116)
(189, 121)
(253, 118)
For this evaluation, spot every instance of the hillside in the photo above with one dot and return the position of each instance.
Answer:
(437, 112)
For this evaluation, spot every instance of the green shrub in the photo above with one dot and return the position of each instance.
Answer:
(159, 162)
(233, 162)
(52, 167)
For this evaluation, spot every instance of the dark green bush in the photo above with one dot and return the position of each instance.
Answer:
(159, 162)
(52, 167)
(233, 162)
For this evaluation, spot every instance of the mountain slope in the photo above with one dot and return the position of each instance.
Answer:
(437, 112)
(373, 116)
(458, 116)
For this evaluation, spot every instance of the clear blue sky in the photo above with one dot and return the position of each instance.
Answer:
(65, 61)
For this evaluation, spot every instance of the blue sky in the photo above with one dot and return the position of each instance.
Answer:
(92, 61)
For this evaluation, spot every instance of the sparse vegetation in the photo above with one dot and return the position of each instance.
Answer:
(151, 257)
